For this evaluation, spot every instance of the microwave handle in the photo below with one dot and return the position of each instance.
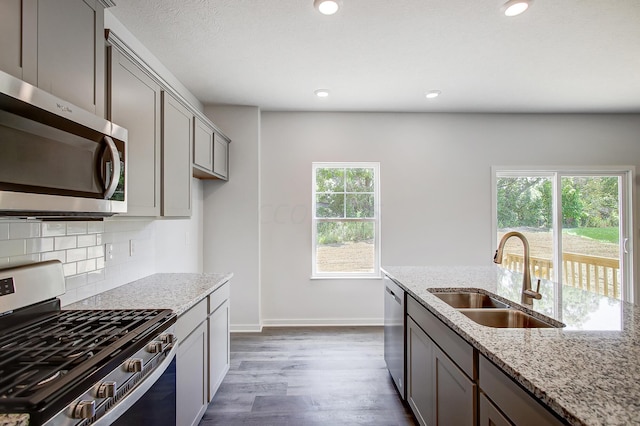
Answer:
(115, 176)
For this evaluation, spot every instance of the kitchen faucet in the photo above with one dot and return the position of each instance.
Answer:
(528, 294)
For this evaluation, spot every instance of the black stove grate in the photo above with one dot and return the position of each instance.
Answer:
(45, 357)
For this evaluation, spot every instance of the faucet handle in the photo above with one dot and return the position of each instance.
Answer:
(534, 294)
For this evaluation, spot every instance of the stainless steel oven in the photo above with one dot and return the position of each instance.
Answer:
(57, 159)
(74, 367)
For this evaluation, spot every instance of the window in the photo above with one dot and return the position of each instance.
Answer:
(346, 220)
(577, 223)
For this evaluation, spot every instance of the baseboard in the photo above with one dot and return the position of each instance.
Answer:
(337, 322)
(245, 328)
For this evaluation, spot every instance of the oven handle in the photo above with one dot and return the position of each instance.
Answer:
(128, 401)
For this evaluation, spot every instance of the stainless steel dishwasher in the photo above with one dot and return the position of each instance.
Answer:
(394, 335)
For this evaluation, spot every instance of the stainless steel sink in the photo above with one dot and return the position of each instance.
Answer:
(470, 300)
(504, 318)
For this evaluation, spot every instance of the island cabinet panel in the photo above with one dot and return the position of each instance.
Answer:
(490, 415)
(135, 104)
(177, 131)
(517, 404)
(441, 389)
(71, 52)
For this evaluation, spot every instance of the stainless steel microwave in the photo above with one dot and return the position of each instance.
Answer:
(57, 159)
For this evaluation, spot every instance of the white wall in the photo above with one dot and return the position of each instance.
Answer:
(435, 191)
(231, 223)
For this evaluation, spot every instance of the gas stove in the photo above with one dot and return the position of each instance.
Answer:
(74, 367)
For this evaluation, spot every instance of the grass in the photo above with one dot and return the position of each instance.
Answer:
(609, 235)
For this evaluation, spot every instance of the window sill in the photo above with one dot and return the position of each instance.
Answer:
(345, 277)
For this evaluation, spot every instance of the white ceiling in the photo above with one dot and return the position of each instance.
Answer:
(383, 55)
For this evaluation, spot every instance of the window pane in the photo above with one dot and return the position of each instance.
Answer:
(591, 234)
(525, 205)
(360, 205)
(330, 205)
(329, 180)
(345, 247)
(360, 180)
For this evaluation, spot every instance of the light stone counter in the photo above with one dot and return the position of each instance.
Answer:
(587, 372)
(178, 292)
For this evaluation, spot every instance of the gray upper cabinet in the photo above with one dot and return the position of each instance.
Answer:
(135, 104)
(202, 146)
(177, 133)
(210, 151)
(57, 46)
(221, 156)
(17, 46)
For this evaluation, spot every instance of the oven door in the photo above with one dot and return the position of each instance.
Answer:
(152, 402)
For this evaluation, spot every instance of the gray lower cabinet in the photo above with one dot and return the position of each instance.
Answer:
(219, 337)
(438, 392)
(511, 401)
(490, 415)
(202, 359)
(177, 131)
(135, 104)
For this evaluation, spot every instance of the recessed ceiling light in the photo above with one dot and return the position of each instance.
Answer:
(322, 93)
(431, 94)
(327, 7)
(515, 7)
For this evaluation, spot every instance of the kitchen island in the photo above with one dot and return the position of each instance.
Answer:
(586, 373)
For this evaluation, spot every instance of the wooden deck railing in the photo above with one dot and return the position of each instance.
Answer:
(592, 273)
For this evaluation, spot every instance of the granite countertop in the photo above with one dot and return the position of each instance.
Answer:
(587, 372)
(177, 292)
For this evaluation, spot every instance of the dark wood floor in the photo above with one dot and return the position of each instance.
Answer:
(308, 376)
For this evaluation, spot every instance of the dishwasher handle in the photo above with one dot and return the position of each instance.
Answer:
(396, 298)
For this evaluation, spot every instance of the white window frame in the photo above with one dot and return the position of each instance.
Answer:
(627, 199)
(376, 274)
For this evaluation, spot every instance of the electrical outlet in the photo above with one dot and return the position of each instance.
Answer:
(108, 252)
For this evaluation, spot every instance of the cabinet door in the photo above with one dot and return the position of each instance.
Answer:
(420, 390)
(221, 157)
(71, 51)
(455, 392)
(191, 374)
(490, 415)
(135, 105)
(176, 157)
(202, 144)
(218, 347)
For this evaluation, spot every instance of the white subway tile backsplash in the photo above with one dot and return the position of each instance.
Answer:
(96, 275)
(50, 229)
(12, 247)
(75, 228)
(64, 243)
(95, 252)
(55, 255)
(18, 230)
(100, 263)
(38, 245)
(4, 231)
(75, 255)
(76, 281)
(69, 269)
(27, 258)
(98, 239)
(86, 240)
(95, 227)
(86, 266)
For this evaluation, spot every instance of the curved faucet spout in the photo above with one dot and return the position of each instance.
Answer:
(527, 293)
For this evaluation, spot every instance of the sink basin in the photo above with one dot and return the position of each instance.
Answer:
(470, 300)
(504, 318)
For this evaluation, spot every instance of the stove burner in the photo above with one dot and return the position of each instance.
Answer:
(24, 382)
